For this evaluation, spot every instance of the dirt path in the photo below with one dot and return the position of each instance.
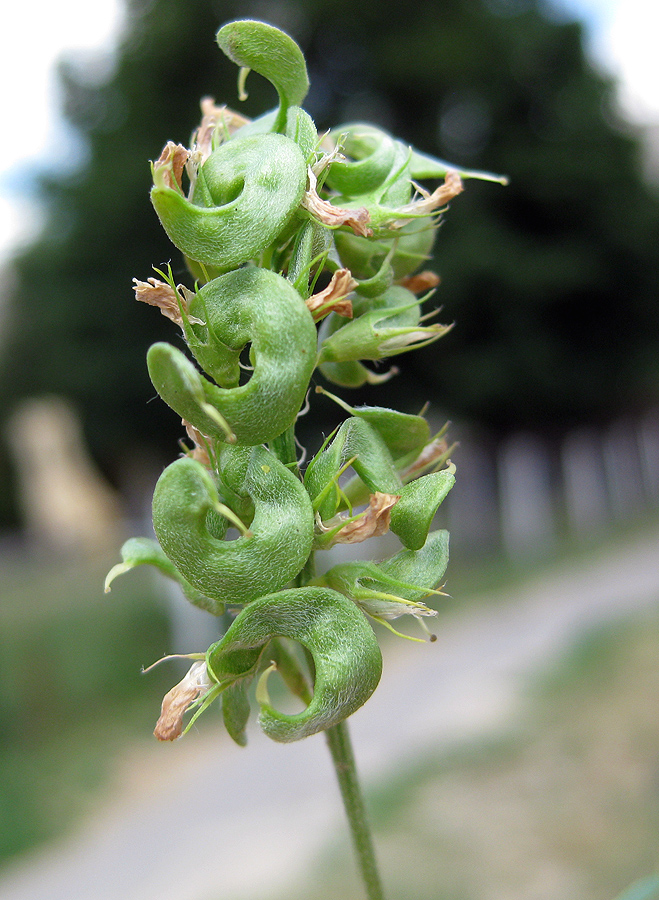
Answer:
(202, 821)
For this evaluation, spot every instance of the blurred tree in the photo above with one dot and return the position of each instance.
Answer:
(552, 280)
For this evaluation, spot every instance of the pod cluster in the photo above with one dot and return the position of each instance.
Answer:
(282, 230)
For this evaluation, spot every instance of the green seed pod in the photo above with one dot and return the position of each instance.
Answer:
(367, 172)
(356, 443)
(352, 374)
(412, 516)
(402, 433)
(412, 246)
(345, 653)
(247, 306)
(380, 333)
(407, 578)
(261, 560)
(244, 195)
(361, 140)
(271, 53)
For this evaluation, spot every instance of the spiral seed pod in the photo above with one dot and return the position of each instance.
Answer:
(262, 560)
(271, 53)
(406, 578)
(358, 444)
(345, 653)
(244, 195)
(248, 306)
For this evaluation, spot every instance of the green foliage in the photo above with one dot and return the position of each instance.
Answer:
(70, 691)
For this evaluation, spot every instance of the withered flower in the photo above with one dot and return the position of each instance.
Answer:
(333, 298)
(177, 701)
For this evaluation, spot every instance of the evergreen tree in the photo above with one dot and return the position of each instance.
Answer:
(551, 280)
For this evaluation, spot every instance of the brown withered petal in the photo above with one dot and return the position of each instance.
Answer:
(373, 523)
(158, 293)
(421, 282)
(173, 159)
(200, 452)
(212, 116)
(429, 202)
(333, 216)
(430, 453)
(177, 701)
(333, 298)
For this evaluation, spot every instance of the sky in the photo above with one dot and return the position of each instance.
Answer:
(622, 39)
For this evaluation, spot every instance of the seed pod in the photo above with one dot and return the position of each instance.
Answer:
(247, 306)
(234, 571)
(244, 195)
(345, 653)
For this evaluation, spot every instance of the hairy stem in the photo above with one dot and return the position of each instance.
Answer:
(338, 741)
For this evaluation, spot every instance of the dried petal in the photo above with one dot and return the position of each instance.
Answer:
(158, 293)
(172, 162)
(176, 702)
(374, 522)
(421, 282)
(430, 454)
(430, 202)
(334, 216)
(333, 298)
(201, 442)
(212, 117)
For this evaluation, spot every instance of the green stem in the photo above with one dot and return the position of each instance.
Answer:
(338, 741)
(338, 737)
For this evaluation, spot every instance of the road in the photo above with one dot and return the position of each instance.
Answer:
(203, 819)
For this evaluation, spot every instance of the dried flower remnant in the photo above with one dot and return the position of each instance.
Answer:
(433, 455)
(333, 298)
(373, 522)
(201, 445)
(430, 202)
(177, 701)
(170, 165)
(421, 282)
(217, 122)
(335, 216)
(160, 294)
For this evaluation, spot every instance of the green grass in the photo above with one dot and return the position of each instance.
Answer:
(71, 692)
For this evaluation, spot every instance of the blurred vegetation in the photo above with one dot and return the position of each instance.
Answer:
(71, 692)
(552, 281)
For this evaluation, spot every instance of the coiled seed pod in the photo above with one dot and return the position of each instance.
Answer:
(263, 560)
(247, 306)
(244, 195)
(346, 656)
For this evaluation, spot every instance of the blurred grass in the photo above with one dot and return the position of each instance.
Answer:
(564, 804)
(71, 692)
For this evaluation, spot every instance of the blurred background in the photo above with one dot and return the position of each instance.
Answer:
(550, 377)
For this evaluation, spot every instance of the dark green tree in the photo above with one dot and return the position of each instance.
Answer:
(551, 281)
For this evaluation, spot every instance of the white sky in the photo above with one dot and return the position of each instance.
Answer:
(34, 35)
